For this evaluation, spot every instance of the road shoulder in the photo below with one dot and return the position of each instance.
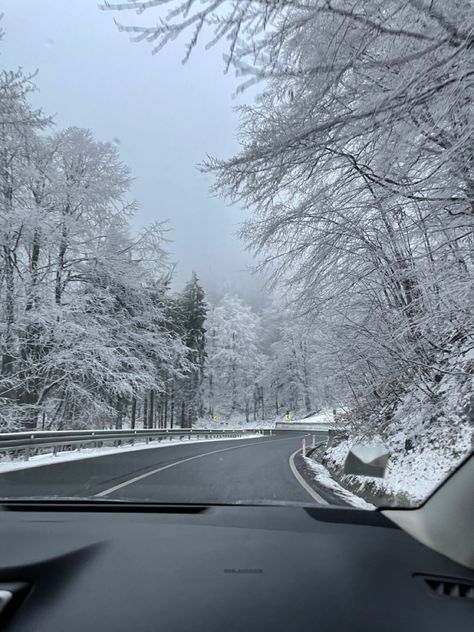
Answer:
(306, 474)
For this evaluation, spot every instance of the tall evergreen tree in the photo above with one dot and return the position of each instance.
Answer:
(192, 313)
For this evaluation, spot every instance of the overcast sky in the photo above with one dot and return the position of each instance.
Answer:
(165, 116)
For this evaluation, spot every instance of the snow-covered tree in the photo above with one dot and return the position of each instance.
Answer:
(358, 168)
(191, 312)
(234, 359)
(85, 328)
(291, 369)
(19, 219)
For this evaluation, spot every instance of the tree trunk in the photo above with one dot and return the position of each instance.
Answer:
(183, 416)
(151, 410)
(59, 282)
(134, 413)
(35, 255)
(8, 357)
(119, 415)
(145, 412)
(31, 352)
(172, 406)
(165, 409)
(161, 415)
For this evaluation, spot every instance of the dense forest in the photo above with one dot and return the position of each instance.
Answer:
(91, 334)
(357, 168)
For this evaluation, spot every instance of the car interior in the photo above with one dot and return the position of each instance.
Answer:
(115, 565)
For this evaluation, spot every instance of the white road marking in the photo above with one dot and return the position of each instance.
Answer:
(166, 467)
(303, 483)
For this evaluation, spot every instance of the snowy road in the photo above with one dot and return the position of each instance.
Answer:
(255, 469)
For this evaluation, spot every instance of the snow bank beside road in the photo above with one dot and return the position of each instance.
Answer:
(427, 432)
(234, 423)
(238, 422)
(411, 476)
(324, 479)
(323, 417)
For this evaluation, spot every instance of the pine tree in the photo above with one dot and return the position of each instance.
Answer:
(191, 314)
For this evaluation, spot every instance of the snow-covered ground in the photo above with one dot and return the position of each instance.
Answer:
(320, 418)
(324, 479)
(238, 421)
(323, 417)
(410, 476)
(49, 458)
(428, 436)
(234, 423)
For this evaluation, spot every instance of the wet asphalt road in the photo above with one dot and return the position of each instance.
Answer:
(236, 471)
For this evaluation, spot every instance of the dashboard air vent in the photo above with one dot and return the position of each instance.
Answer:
(450, 587)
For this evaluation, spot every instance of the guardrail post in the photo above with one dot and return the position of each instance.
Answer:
(303, 448)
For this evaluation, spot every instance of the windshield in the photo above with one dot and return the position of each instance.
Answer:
(246, 278)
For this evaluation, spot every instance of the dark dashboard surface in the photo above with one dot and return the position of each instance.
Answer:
(223, 569)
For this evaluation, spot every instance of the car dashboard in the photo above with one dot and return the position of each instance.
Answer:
(73, 566)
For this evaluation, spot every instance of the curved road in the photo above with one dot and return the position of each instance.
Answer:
(245, 470)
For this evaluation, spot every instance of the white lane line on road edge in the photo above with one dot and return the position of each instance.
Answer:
(303, 483)
(166, 467)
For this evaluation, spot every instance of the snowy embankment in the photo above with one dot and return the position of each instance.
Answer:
(235, 423)
(411, 475)
(322, 417)
(428, 435)
(238, 422)
(87, 453)
(324, 479)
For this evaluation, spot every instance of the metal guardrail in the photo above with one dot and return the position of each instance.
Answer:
(26, 444)
(306, 425)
